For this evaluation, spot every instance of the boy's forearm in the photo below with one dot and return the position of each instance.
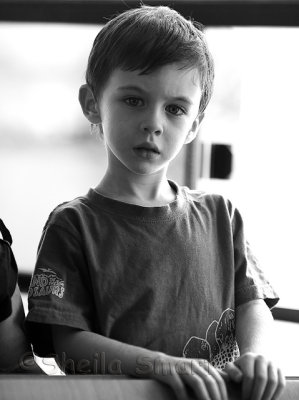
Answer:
(83, 350)
(87, 352)
(254, 326)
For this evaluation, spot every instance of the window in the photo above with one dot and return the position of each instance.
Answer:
(47, 155)
(254, 109)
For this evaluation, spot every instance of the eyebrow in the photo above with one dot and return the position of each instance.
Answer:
(140, 90)
(130, 87)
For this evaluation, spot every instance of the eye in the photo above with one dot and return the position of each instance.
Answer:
(134, 101)
(175, 110)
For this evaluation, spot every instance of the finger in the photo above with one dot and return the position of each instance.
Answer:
(174, 380)
(168, 375)
(281, 385)
(211, 385)
(247, 381)
(199, 388)
(272, 382)
(260, 378)
(234, 373)
(224, 375)
(194, 381)
(214, 382)
(218, 376)
(211, 378)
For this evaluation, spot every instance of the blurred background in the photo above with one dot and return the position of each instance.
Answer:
(48, 156)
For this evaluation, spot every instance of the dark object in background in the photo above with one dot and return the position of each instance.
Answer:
(221, 161)
(8, 273)
(16, 354)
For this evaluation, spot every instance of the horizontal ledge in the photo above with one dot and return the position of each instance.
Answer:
(210, 13)
(285, 314)
(35, 387)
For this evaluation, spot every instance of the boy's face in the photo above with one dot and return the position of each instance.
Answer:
(146, 119)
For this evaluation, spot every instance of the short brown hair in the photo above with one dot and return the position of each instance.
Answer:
(145, 39)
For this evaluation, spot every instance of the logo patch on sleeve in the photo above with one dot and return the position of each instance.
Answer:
(46, 283)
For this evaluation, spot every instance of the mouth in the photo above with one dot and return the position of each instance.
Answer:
(147, 147)
(147, 151)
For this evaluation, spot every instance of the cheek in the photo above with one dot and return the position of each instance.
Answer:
(179, 132)
(174, 143)
(116, 119)
(116, 133)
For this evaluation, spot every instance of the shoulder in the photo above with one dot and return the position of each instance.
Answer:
(215, 210)
(70, 215)
(67, 210)
(209, 201)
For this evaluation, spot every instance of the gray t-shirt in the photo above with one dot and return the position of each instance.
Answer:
(165, 278)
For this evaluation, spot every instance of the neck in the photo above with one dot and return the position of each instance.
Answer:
(152, 190)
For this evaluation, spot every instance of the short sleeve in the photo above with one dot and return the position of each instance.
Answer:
(250, 281)
(58, 292)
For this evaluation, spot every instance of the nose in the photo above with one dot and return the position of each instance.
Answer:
(152, 123)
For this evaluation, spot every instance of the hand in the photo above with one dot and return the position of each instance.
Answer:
(186, 376)
(259, 378)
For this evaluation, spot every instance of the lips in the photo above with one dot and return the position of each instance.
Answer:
(147, 146)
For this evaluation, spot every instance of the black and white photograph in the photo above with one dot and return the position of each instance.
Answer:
(149, 199)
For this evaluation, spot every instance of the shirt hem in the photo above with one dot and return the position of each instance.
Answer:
(61, 318)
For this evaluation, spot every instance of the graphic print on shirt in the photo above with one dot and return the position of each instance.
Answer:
(219, 346)
(46, 283)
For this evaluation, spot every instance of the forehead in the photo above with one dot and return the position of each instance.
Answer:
(169, 80)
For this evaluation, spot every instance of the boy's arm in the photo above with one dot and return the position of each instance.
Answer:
(88, 352)
(260, 378)
(254, 326)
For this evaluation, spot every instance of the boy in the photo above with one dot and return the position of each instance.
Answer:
(140, 276)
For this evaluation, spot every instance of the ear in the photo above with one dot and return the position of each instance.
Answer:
(194, 129)
(89, 104)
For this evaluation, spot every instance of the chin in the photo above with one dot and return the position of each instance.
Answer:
(144, 171)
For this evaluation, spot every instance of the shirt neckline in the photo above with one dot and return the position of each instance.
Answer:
(117, 207)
